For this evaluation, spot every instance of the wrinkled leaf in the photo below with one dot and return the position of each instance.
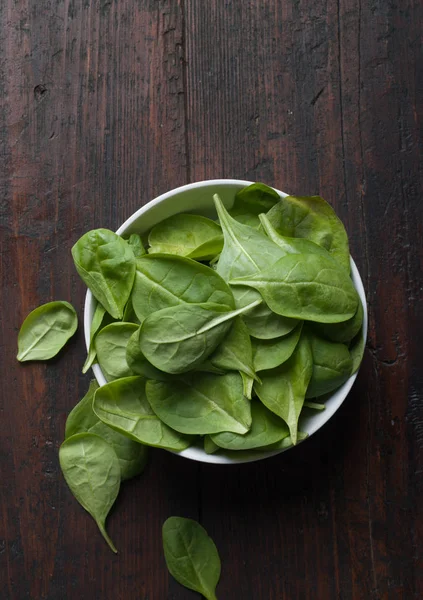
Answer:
(92, 472)
(46, 330)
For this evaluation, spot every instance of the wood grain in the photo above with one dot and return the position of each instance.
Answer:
(106, 104)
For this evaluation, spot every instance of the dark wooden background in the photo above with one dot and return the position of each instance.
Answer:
(104, 104)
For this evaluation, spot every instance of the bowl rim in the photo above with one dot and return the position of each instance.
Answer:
(194, 452)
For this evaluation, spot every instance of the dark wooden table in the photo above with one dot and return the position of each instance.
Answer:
(104, 105)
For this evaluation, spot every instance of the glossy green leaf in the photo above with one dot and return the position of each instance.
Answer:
(268, 354)
(201, 403)
(331, 366)
(191, 556)
(162, 281)
(106, 263)
(342, 332)
(46, 330)
(91, 470)
(180, 338)
(312, 218)
(82, 419)
(137, 362)
(266, 429)
(306, 286)
(251, 201)
(234, 353)
(187, 235)
(283, 389)
(110, 345)
(123, 406)
(136, 244)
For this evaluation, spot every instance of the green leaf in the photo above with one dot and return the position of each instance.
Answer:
(180, 338)
(123, 406)
(91, 470)
(283, 389)
(357, 347)
(331, 366)
(136, 244)
(46, 330)
(247, 384)
(191, 556)
(82, 419)
(306, 286)
(162, 281)
(137, 362)
(209, 446)
(251, 201)
(201, 403)
(268, 354)
(342, 332)
(234, 353)
(266, 429)
(312, 218)
(100, 318)
(110, 345)
(129, 315)
(261, 322)
(285, 443)
(187, 235)
(106, 264)
(313, 405)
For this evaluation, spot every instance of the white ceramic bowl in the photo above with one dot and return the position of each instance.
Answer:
(198, 198)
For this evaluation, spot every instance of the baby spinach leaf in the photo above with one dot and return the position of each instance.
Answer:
(136, 244)
(313, 405)
(283, 389)
(82, 419)
(187, 235)
(234, 353)
(291, 245)
(46, 330)
(91, 470)
(100, 319)
(331, 366)
(245, 250)
(180, 338)
(251, 201)
(201, 403)
(129, 315)
(268, 354)
(106, 264)
(162, 281)
(312, 218)
(123, 406)
(342, 332)
(209, 446)
(110, 345)
(138, 363)
(266, 429)
(357, 347)
(247, 384)
(191, 556)
(285, 443)
(306, 286)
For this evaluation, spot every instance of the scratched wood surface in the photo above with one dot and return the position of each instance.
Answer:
(104, 105)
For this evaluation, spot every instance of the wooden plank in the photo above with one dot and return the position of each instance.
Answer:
(92, 122)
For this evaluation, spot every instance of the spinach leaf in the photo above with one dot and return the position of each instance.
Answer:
(342, 332)
(209, 446)
(285, 443)
(82, 419)
(46, 330)
(247, 384)
(266, 429)
(312, 218)
(201, 404)
(283, 389)
(357, 347)
(187, 235)
(162, 281)
(235, 353)
(136, 244)
(100, 318)
(106, 264)
(331, 366)
(91, 470)
(251, 201)
(129, 315)
(291, 245)
(306, 286)
(313, 405)
(137, 362)
(268, 354)
(123, 405)
(191, 556)
(110, 345)
(180, 338)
